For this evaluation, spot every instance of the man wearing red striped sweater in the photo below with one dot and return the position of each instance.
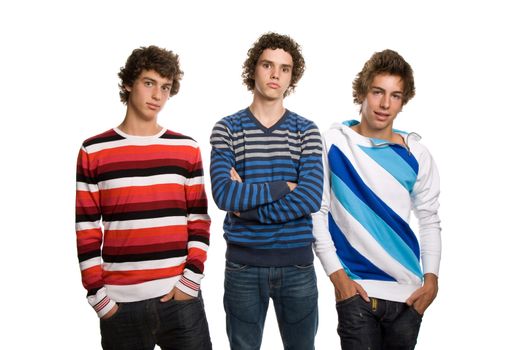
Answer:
(143, 266)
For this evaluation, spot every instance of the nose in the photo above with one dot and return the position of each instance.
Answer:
(275, 73)
(155, 94)
(385, 101)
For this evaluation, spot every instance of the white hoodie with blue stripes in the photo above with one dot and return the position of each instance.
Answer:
(370, 188)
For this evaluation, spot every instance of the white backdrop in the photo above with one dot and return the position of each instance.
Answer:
(59, 86)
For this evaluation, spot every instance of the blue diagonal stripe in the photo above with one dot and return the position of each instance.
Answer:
(356, 265)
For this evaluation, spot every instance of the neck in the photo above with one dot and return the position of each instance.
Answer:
(383, 134)
(139, 127)
(267, 112)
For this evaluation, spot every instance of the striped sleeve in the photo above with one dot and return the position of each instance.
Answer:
(305, 199)
(198, 228)
(89, 235)
(232, 195)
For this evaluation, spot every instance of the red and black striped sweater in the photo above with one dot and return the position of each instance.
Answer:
(149, 193)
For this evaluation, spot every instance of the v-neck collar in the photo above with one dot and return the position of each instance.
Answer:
(264, 128)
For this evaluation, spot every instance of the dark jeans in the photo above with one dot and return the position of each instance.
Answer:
(247, 290)
(378, 325)
(171, 325)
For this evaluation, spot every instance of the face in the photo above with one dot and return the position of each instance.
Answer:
(382, 103)
(273, 74)
(148, 94)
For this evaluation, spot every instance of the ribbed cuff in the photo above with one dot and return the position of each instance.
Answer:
(189, 283)
(431, 264)
(278, 189)
(101, 302)
(251, 214)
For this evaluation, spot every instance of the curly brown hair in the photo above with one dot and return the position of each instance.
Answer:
(162, 61)
(384, 62)
(273, 41)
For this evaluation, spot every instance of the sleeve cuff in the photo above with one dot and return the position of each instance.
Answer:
(278, 189)
(101, 302)
(190, 283)
(431, 264)
(251, 214)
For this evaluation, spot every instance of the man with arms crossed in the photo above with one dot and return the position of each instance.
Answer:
(374, 176)
(143, 270)
(266, 172)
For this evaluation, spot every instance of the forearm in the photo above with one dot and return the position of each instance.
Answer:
(230, 195)
(304, 200)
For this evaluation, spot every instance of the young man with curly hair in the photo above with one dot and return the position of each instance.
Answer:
(143, 269)
(374, 176)
(266, 172)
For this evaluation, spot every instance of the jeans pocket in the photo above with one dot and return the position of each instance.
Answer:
(115, 315)
(415, 312)
(344, 302)
(231, 266)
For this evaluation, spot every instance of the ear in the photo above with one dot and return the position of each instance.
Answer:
(128, 88)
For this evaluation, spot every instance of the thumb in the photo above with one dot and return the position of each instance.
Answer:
(167, 297)
(413, 298)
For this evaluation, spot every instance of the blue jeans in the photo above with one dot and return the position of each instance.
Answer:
(171, 325)
(378, 325)
(247, 290)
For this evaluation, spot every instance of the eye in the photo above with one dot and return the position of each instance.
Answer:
(266, 65)
(397, 96)
(286, 69)
(148, 83)
(166, 88)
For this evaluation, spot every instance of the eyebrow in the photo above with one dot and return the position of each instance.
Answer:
(156, 81)
(383, 90)
(282, 65)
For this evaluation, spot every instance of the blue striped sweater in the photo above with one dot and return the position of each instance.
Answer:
(275, 225)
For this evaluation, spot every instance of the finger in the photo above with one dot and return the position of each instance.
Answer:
(363, 293)
(167, 297)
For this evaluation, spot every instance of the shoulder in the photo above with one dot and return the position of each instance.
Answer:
(302, 125)
(177, 139)
(106, 136)
(301, 122)
(234, 120)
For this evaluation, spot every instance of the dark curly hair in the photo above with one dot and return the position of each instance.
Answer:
(162, 61)
(273, 41)
(384, 62)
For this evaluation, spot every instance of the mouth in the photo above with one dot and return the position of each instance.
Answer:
(273, 85)
(152, 106)
(382, 116)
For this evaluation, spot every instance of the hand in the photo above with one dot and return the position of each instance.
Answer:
(111, 312)
(234, 176)
(176, 294)
(291, 185)
(424, 296)
(345, 287)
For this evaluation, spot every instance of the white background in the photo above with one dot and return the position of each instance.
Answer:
(58, 86)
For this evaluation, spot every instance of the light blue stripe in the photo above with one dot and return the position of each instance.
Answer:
(352, 276)
(376, 227)
(394, 164)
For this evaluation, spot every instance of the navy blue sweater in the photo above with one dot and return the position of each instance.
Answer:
(275, 225)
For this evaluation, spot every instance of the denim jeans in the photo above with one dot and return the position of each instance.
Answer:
(171, 325)
(247, 290)
(378, 325)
